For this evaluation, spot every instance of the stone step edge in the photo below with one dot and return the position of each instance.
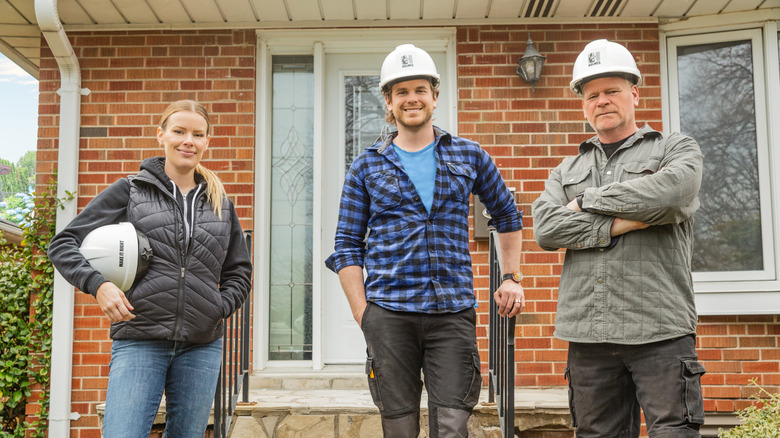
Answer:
(527, 401)
(243, 409)
(360, 399)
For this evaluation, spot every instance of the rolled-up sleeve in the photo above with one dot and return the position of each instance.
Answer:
(494, 194)
(350, 245)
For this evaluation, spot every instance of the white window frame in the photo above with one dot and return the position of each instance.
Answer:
(754, 36)
(738, 292)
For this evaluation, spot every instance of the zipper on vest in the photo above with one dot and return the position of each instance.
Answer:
(183, 267)
(180, 307)
(179, 317)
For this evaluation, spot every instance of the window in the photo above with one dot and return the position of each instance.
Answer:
(718, 109)
(720, 93)
(290, 294)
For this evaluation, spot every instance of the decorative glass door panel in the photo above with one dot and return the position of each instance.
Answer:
(364, 114)
(290, 314)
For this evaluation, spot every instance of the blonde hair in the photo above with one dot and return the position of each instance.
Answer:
(215, 191)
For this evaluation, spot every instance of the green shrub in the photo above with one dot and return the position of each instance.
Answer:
(15, 335)
(27, 285)
(762, 420)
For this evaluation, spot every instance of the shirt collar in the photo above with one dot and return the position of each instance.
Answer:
(440, 135)
(646, 130)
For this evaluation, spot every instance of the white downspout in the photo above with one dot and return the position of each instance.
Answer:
(67, 181)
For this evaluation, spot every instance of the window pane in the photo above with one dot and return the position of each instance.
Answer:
(365, 114)
(290, 304)
(717, 108)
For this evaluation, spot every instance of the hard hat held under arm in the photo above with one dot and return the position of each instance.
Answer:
(119, 252)
(108, 207)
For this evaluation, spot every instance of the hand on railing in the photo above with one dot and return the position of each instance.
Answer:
(510, 299)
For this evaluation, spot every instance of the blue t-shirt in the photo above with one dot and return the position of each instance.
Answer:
(421, 168)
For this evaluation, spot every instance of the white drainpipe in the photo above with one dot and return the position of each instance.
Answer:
(67, 181)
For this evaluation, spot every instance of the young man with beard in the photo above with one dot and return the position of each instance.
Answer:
(404, 218)
(623, 209)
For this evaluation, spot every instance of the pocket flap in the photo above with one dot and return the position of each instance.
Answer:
(574, 178)
(694, 367)
(649, 167)
(462, 169)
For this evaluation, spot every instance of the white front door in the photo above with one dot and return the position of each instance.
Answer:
(353, 119)
(318, 108)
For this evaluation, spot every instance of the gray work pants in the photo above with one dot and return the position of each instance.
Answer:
(443, 346)
(609, 382)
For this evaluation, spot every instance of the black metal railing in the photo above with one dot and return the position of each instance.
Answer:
(234, 372)
(501, 350)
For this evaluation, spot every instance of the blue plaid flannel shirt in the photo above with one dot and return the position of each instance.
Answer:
(418, 261)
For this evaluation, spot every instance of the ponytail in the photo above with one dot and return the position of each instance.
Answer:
(215, 191)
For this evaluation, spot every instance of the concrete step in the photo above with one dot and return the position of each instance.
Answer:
(336, 377)
(340, 413)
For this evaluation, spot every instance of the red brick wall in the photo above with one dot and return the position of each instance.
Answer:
(133, 76)
(735, 349)
(528, 134)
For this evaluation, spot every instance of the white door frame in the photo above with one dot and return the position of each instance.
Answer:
(317, 43)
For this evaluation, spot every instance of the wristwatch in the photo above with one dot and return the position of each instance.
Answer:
(516, 276)
(579, 201)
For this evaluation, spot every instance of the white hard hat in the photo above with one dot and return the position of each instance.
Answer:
(603, 58)
(407, 62)
(119, 252)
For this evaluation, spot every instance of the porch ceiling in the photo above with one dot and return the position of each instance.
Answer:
(20, 37)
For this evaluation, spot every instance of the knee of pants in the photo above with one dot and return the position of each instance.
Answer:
(404, 426)
(448, 422)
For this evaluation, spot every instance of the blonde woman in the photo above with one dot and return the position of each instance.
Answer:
(167, 328)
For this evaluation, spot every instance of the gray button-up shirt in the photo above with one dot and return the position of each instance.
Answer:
(640, 290)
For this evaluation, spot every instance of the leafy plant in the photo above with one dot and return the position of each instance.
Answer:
(15, 337)
(758, 421)
(27, 282)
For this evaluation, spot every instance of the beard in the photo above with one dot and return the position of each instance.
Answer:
(418, 124)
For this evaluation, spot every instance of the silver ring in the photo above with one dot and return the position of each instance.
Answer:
(518, 301)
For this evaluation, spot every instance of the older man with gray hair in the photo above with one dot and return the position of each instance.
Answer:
(623, 210)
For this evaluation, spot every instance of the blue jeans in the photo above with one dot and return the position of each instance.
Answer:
(142, 369)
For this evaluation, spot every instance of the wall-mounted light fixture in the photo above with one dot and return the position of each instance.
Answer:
(529, 67)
